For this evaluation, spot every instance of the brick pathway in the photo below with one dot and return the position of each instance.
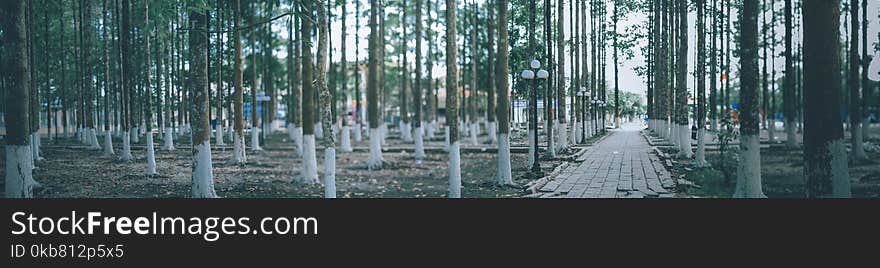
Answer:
(620, 166)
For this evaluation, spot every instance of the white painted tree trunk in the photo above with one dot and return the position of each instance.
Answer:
(230, 133)
(420, 145)
(202, 173)
(329, 172)
(20, 182)
(290, 132)
(474, 131)
(108, 143)
(298, 140)
(491, 131)
(357, 133)
(840, 185)
(446, 140)
(684, 141)
(748, 175)
(375, 160)
(700, 160)
(532, 147)
(858, 146)
(255, 139)
(35, 147)
(151, 156)
(135, 135)
(562, 136)
(407, 132)
(573, 134)
(219, 134)
(790, 137)
(346, 140)
(454, 170)
(383, 130)
(319, 131)
(503, 174)
(93, 139)
(309, 173)
(771, 130)
(169, 140)
(238, 150)
(125, 155)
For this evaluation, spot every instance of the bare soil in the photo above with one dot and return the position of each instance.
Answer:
(69, 170)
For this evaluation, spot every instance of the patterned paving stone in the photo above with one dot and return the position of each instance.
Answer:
(622, 165)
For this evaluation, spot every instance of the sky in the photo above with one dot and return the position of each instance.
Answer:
(628, 79)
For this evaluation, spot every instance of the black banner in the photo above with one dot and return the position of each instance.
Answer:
(420, 231)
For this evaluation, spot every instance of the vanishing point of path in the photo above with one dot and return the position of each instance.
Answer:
(621, 165)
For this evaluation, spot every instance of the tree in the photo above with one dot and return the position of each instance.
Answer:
(452, 103)
(202, 174)
(108, 138)
(491, 124)
(309, 174)
(375, 45)
(220, 121)
(326, 104)
(125, 74)
(825, 163)
(346, 129)
(503, 176)
(788, 90)
(417, 86)
(151, 155)
(20, 182)
(701, 85)
(238, 151)
(562, 126)
(748, 182)
(681, 90)
(855, 107)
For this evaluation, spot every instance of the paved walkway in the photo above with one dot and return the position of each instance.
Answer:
(620, 166)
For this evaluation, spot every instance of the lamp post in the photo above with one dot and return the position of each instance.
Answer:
(534, 73)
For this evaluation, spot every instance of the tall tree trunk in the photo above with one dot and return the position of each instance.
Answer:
(358, 107)
(405, 133)
(19, 166)
(681, 91)
(417, 86)
(748, 183)
(125, 74)
(701, 84)
(310, 162)
(151, 155)
(373, 76)
(503, 176)
(218, 135)
(202, 174)
(345, 137)
(713, 69)
(238, 154)
(825, 160)
(855, 98)
(328, 140)
(614, 18)
(562, 126)
(788, 90)
(452, 103)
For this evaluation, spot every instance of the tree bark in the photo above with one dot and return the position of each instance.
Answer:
(202, 174)
(825, 160)
(748, 183)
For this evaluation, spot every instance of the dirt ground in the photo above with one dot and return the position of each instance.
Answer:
(782, 174)
(70, 170)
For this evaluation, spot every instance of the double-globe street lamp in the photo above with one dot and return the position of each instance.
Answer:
(534, 73)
